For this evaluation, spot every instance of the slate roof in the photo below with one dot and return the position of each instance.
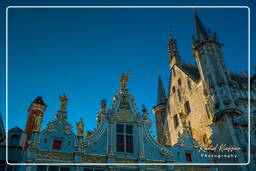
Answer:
(190, 70)
(193, 72)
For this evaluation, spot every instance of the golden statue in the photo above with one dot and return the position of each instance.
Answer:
(183, 118)
(38, 121)
(80, 127)
(124, 80)
(63, 102)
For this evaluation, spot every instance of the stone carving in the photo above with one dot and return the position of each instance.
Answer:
(124, 101)
(51, 127)
(94, 159)
(63, 102)
(124, 80)
(125, 115)
(38, 121)
(103, 105)
(183, 117)
(55, 156)
(125, 160)
(67, 130)
(80, 127)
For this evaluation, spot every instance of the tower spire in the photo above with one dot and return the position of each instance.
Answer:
(172, 49)
(161, 93)
(200, 29)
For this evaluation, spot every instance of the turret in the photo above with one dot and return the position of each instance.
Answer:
(213, 72)
(36, 109)
(160, 111)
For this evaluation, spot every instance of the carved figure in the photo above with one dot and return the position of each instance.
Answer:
(103, 105)
(124, 80)
(183, 117)
(38, 121)
(80, 127)
(63, 102)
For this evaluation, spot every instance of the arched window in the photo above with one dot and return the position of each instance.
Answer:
(189, 84)
(56, 144)
(179, 94)
(188, 156)
(176, 121)
(173, 89)
(179, 82)
(187, 107)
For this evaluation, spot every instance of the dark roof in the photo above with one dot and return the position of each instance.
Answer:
(39, 100)
(191, 70)
(239, 78)
(200, 29)
(16, 129)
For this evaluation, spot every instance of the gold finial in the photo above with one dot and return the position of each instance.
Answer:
(183, 118)
(124, 80)
(63, 102)
(80, 127)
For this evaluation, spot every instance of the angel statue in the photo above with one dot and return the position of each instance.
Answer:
(183, 118)
(124, 80)
(80, 127)
(38, 121)
(63, 102)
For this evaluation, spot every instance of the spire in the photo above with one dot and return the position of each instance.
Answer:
(200, 29)
(161, 93)
(172, 48)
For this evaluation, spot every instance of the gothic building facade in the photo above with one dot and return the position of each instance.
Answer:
(122, 136)
(205, 105)
(214, 100)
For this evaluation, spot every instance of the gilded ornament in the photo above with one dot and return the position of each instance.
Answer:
(80, 127)
(51, 127)
(63, 102)
(124, 80)
(124, 115)
(103, 105)
(67, 130)
(38, 121)
(183, 117)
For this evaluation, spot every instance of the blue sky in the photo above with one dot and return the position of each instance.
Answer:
(82, 52)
